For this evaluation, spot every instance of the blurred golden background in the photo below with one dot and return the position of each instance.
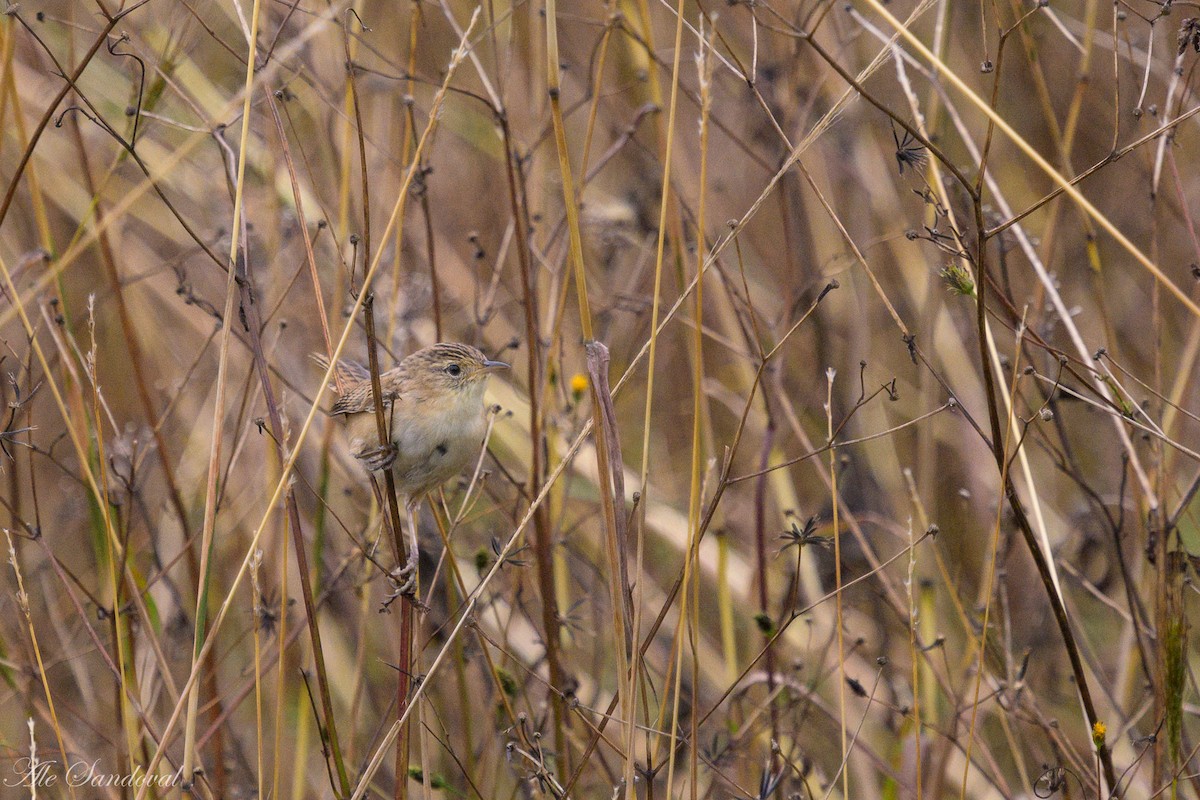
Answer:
(935, 260)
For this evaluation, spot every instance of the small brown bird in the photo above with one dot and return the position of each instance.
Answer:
(433, 404)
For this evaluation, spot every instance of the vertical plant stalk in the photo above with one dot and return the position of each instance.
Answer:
(256, 595)
(837, 581)
(571, 207)
(655, 310)
(914, 618)
(23, 604)
(403, 674)
(762, 573)
(542, 543)
(522, 226)
(310, 256)
(535, 373)
(214, 455)
(1040, 559)
(1002, 444)
(704, 65)
(281, 678)
(416, 21)
(670, 228)
(122, 634)
(610, 469)
(329, 732)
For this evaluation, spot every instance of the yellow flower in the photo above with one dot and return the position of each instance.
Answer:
(579, 385)
(1098, 731)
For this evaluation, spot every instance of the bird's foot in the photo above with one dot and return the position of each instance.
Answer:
(405, 578)
(379, 458)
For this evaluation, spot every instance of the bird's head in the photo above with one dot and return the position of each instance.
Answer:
(452, 367)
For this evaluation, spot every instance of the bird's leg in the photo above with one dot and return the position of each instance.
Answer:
(407, 575)
(378, 492)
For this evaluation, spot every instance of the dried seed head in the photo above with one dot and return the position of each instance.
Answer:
(958, 280)
(1189, 35)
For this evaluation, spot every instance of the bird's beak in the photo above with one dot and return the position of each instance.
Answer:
(494, 366)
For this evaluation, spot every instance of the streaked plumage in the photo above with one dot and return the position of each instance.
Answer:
(433, 404)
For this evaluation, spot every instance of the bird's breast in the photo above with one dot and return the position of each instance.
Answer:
(435, 437)
(434, 444)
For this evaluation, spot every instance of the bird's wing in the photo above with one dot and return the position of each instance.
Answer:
(356, 384)
(357, 398)
(349, 371)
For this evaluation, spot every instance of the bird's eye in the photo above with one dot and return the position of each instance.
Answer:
(453, 370)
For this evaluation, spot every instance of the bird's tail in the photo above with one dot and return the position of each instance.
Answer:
(351, 372)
